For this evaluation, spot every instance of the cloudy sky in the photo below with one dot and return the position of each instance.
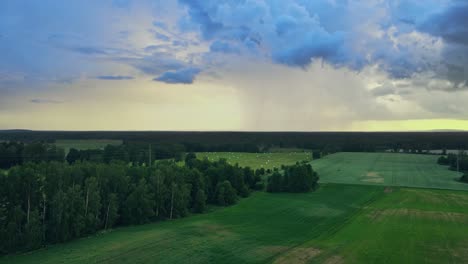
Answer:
(287, 65)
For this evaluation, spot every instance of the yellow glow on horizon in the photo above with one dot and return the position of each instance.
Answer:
(410, 125)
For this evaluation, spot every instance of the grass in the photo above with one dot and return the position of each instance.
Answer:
(258, 160)
(389, 169)
(84, 144)
(259, 229)
(405, 226)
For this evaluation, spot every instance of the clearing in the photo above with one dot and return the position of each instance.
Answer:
(85, 144)
(258, 160)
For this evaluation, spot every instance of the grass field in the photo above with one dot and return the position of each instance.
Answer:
(84, 144)
(260, 229)
(405, 226)
(389, 169)
(258, 160)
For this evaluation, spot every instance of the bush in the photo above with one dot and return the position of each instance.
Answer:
(464, 178)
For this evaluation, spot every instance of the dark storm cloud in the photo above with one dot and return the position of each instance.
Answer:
(45, 101)
(182, 76)
(450, 24)
(114, 77)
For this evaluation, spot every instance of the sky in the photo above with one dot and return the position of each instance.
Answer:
(243, 65)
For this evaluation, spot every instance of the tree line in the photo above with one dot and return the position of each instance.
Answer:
(52, 202)
(457, 162)
(260, 141)
(296, 178)
(16, 153)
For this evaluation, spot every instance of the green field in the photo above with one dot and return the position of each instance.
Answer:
(259, 229)
(405, 226)
(258, 160)
(389, 169)
(84, 144)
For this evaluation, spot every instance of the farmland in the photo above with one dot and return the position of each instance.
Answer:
(389, 169)
(84, 144)
(258, 160)
(405, 226)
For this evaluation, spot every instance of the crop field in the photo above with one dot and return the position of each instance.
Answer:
(260, 229)
(389, 169)
(258, 160)
(405, 226)
(84, 144)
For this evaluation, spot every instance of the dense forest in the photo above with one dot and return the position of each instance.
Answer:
(296, 178)
(262, 141)
(46, 202)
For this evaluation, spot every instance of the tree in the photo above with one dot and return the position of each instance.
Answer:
(226, 194)
(190, 159)
(74, 210)
(199, 204)
(73, 156)
(112, 209)
(92, 205)
(138, 206)
(275, 182)
(33, 231)
(464, 178)
(296, 178)
(316, 154)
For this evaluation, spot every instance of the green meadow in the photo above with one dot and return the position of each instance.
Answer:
(388, 169)
(258, 160)
(85, 144)
(405, 226)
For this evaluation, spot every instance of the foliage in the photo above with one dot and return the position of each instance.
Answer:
(296, 178)
(54, 202)
(464, 178)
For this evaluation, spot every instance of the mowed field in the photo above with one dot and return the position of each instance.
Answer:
(258, 160)
(263, 228)
(389, 169)
(84, 144)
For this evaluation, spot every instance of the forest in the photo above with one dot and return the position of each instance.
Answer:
(260, 141)
(46, 202)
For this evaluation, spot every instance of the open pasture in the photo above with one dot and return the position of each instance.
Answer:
(389, 169)
(258, 160)
(84, 144)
